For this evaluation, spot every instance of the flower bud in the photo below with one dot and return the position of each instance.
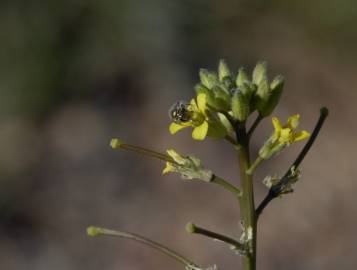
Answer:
(208, 79)
(240, 106)
(262, 95)
(260, 73)
(248, 89)
(276, 89)
(242, 78)
(217, 98)
(221, 97)
(223, 70)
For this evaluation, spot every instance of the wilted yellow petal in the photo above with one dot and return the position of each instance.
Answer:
(200, 132)
(176, 156)
(169, 168)
(176, 127)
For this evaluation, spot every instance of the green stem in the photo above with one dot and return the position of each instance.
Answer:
(231, 140)
(248, 208)
(247, 201)
(256, 163)
(96, 231)
(226, 185)
(192, 228)
(118, 144)
(254, 126)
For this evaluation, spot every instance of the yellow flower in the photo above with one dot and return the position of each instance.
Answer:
(199, 119)
(286, 134)
(283, 136)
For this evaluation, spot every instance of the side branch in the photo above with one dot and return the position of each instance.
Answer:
(192, 228)
(276, 190)
(227, 185)
(95, 231)
(254, 126)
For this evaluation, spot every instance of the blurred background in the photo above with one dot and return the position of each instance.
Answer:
(74, 74)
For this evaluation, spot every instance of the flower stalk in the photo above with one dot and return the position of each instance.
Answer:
(97, 231)
(193, 229)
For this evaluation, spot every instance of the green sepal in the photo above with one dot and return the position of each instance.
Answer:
(200, 88)
(269, 149)
(222, 98)
(240, 106)
(260, 73)
(216, 129)
(226, 123)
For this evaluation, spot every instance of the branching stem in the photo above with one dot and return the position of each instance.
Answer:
(276, 189)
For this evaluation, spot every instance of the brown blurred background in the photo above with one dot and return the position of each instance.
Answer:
(73, 74)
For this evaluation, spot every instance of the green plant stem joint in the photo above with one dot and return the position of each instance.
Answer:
(223, 104)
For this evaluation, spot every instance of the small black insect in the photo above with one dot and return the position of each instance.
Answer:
(179, 112)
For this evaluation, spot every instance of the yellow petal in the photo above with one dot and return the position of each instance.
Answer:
(168, 168)
(193, 105)
(200, 132)
(176, 127)
(293, 121)
(201, 102)
(285, 135)
(301, 135)
(276, 124)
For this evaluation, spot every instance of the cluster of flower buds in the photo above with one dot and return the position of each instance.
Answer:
(224, 99)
